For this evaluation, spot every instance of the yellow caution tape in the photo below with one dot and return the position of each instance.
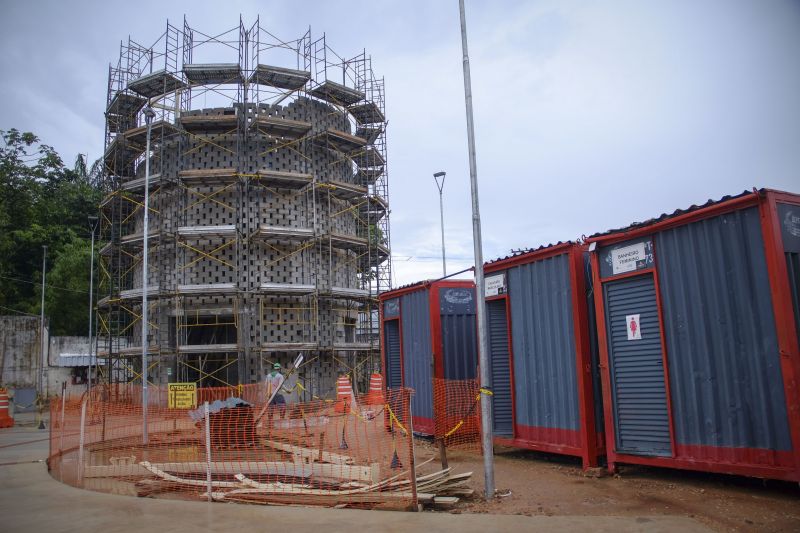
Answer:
(394, 418)
(457, 426)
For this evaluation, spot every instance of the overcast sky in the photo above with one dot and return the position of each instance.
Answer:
(589, 114)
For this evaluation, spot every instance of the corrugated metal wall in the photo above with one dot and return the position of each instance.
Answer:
(417, 352)
(722, 348)
(497, 327)
(459, 338)
(639, 390)
(546, 390)
(391, 336)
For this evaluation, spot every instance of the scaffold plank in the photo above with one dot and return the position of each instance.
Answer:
(287, 288)
(125, 103)
(367, 113)
(156, 84)
(281, 127)
(284, 233)
(205, 232)
(336, 93)
(280, 77)
(213, 73)
(369, 157)
(340, 141)
(209, 123)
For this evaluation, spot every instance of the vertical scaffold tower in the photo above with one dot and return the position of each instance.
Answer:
(268, 207)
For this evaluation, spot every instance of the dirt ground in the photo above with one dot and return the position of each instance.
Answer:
(543, 484)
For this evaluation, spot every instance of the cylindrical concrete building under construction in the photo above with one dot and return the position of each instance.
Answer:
(268, 210)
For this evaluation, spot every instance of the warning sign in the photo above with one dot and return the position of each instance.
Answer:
(182, 395)
(634, 327)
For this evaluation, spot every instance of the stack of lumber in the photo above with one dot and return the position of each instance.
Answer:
(440, 489)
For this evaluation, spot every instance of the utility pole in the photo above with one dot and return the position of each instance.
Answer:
(41, 325)
(440, 186)
(483, 352)
(148, 117)
(93, 226)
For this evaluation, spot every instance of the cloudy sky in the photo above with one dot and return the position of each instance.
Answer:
(589, 114)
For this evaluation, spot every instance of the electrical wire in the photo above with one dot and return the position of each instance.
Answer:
(48, 286)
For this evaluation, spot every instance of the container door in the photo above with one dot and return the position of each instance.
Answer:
(391, 335)
(637, 369)
(501, 368)
(789, 216)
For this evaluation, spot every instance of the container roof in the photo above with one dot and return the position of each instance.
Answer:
(529, 252)
(678, 212)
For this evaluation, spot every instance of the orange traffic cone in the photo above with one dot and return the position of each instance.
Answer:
(344, 395)
(375, 394)
(5, 420)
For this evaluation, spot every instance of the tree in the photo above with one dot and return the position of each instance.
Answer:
(44, 203)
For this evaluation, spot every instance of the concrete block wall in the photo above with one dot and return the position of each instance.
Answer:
(247, 205)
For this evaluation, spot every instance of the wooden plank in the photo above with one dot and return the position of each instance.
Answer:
(220, 467)
(309, 453)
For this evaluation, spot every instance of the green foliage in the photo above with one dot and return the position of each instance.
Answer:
(42, 202)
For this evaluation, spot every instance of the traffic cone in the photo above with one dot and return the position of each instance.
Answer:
(344, 395)
(375, 394)
(5, 420)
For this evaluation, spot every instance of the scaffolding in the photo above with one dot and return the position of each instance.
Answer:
(268, 206)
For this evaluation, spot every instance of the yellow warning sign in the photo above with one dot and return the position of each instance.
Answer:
(182, 395)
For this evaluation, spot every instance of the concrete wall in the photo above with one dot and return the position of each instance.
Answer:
(20, 351)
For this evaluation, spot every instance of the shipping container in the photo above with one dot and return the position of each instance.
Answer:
(428, 330)
(698, 332)
(543, 352)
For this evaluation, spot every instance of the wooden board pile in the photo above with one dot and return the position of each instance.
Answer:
(334, 488)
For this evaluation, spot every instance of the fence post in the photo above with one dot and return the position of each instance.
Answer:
(208, 448)
(82, 441)
(413, 465)
(61, 421)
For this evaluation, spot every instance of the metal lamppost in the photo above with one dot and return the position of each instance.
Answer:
(483, 348)
(440, 186)
(41, 325)
(148, 117)
(93, 225)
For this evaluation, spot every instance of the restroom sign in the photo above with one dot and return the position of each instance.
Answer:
(634, 327)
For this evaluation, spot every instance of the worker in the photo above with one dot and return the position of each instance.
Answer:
(274, 382)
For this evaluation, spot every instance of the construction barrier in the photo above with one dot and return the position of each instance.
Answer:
(232, 447)
(5, 420)
(375, 394)
(457, 413)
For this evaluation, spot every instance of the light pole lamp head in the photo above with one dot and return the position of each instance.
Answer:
(438, 175)
(92, 222)
(149, 114)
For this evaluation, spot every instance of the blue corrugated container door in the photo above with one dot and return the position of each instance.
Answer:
(637, 369)
(501, 368)
(391, 335)
(417, 352)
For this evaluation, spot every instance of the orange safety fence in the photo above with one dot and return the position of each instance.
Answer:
(232, 447)
(457, 413)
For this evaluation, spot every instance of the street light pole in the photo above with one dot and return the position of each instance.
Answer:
(148, 117)
(440, 186)
(93, 226)
(483, 351)
(41, 325)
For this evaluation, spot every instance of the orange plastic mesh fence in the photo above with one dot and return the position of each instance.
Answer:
(457, 413)
(324, 452)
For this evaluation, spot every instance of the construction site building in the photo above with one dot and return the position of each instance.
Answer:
(268, 210)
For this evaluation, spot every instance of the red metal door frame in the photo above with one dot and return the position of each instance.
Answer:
(583, 358)
(605, 366)
(783, 309)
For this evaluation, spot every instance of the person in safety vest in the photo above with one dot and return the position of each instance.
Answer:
(274, 383)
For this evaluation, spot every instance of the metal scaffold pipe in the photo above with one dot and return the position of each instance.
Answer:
(148, 116)
(483, 359)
